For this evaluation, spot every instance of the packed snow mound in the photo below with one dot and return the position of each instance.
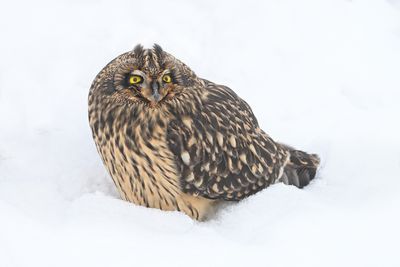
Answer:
(322, 76)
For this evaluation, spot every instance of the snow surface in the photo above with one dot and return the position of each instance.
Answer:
(323, 76)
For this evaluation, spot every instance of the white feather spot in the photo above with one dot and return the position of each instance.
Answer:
(243, 158)
(260, 168)
(187, 121)
(220, 138)
(206, 167)
(209, 138)
(190, 177)
(232, 141)
(215, 188)
(252, 148)
(185, 157)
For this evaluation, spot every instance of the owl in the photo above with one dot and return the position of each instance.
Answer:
(174, 141)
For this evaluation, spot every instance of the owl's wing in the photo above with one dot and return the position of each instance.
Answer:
(221, 152)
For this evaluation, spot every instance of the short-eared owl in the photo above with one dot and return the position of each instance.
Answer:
(174, 141)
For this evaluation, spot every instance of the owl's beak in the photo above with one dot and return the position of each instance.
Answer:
(155, 96)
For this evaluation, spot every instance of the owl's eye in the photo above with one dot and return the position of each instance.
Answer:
(135, 79)
(167, 78)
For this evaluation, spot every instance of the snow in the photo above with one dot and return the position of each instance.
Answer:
(323, 76)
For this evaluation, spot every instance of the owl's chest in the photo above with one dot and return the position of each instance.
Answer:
(141, 164)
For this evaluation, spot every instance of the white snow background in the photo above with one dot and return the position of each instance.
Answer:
(321, 75)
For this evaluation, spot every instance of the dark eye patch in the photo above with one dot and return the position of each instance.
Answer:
(126, 80)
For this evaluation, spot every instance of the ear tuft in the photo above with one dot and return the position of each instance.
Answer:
(138, 50)
(158, 50)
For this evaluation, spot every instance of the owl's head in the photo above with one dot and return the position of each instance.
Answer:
(144, 75)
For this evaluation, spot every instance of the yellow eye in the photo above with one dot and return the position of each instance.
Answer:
(134, 79)
(167, 78)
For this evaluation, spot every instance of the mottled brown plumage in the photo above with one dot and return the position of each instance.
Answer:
(173, 141)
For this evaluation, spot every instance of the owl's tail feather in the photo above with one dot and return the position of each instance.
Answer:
(301, 168)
